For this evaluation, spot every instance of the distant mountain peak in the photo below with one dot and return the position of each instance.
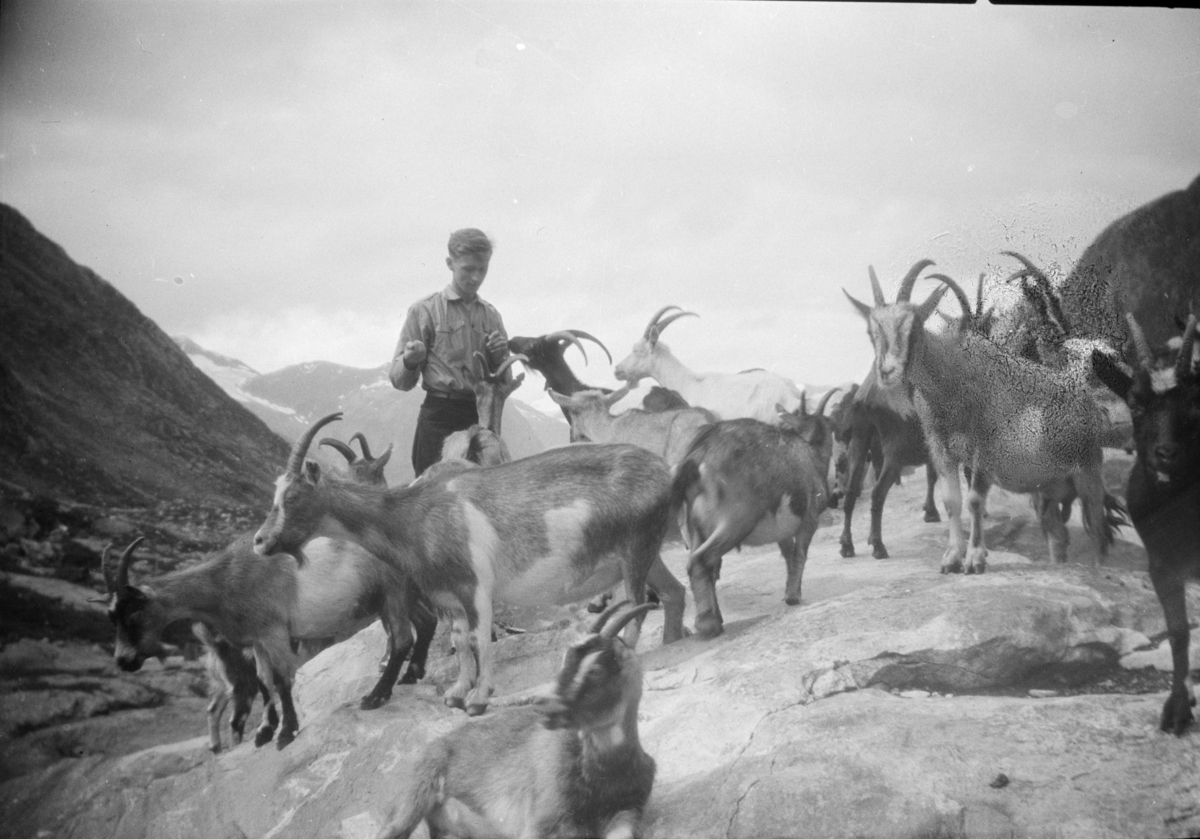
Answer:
(192, 348)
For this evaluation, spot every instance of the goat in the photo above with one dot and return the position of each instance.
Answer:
(751, 393)
(745, 482)
(269, 604)
(1146, 263)
(881, 425)
(1013, 422)
(555, 527)
(545, 354)
(232, 677)
(1163, 492)
(572, 765)
(666, 433)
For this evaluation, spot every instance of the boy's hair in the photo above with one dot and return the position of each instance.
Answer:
(469, 241)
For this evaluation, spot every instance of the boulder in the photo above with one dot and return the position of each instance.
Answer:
(894, 701)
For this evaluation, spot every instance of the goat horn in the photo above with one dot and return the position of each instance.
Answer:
(1140, 344)
(1183, 365)
(485, 366)
(610, 630)
(804, 403)
(876, 289)
(569, 336)
(509, 362)
(654, 320)
(603, 617)
(910, 279)
(579, 333)
(670, 319)
(825, 400)
(107, 571)
(963, 300)
(122, 578)
(1031, 270)
(340, 447)
(296, 460)
(362, 442)
(979, 296)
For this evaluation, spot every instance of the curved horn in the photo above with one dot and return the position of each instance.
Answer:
(825, 400)
(910, 279)
(509, 362)
(107, 570)
(611, 629)
(603, 617)
(362, 444)
(1183, 365)
(569, 336)
(121, 581)
(876, 289)
(1032, 271)
(340, 447)
(963, 300)
(296, 460)
(1141, 345)
(670, 319)
(654, 320)
(579, 333)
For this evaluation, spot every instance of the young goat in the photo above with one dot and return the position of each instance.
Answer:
(751, 393)
(232, 677)
(666, 433)
(555, 527)
(270, 604)
(1014, 422)
(744, 482)
(570, 766)
(1164, 488)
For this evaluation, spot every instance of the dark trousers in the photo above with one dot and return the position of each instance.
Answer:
(439, 418)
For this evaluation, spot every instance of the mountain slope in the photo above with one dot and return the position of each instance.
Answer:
(98, 404)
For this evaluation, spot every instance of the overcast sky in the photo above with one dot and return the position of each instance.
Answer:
(278, 180)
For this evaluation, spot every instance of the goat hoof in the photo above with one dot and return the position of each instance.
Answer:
(475, 710)
(215, 748)
(262, 738)
(880, 552)
(284, 739)
(412, 677)
(709, 627)
(953, 567)
(932, 516)
(847, 550)
(370, 702)
(455, 702)
(792, 601)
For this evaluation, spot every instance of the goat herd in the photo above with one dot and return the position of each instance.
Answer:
(715, 459)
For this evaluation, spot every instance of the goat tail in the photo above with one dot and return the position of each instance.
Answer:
(1115, 517)
(684, 477)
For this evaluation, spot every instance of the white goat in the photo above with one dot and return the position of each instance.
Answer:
(1014, 422)
(570, 766)
(743, 482)
(751, 393)
(556, 527)
(666, 433)
(232, 677)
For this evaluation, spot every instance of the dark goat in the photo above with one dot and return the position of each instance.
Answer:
(744, 482)
(1163, 494)
(570, 766)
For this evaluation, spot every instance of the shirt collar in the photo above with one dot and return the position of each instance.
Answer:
(450, 294)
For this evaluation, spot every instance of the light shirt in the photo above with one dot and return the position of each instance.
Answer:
(452, 330)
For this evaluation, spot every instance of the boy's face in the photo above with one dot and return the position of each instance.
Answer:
(469, 271)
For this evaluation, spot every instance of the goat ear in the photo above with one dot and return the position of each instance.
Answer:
(558, 398)
(312, 471)
(1111, 375)
(863, 308)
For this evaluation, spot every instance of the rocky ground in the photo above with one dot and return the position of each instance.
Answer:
(894, 701)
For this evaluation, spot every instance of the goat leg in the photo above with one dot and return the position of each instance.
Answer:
(289, 724)
(976, 503)
(1169, 586)
(424, 621)
(931, 512)
(672, 595)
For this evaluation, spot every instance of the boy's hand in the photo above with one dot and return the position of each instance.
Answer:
(497, 346)
(414, 354)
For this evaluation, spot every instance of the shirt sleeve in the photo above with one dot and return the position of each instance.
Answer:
(414, 330)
